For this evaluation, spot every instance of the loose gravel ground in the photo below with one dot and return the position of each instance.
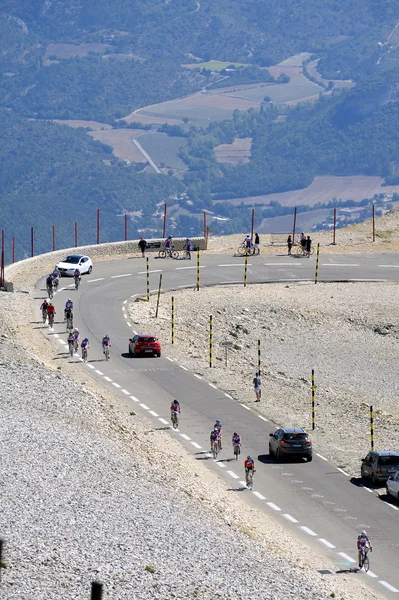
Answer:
(89, 490)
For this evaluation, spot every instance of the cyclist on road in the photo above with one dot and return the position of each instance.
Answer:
(249, 465)
(50, 309)
(49, 284)
(85, 345)
(76, 338)
(236, 441)
(248, 242)
(106, 342)
(175, 406)
(218, 427)
(44, 306)
(214, 438)
(76, 275)
(71, 340)
(168, 242)
(363, 542)
(68, 309)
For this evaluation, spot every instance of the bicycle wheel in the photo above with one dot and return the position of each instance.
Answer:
(71, 349)
(241, 250)
(366, 563)
(162, 254)
(215, 451)
(106, 353)
(174, 254)
(236, 452)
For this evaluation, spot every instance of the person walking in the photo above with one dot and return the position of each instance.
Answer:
(257, 244)
(142, 246)
(289, 244)
(308, 246)
(257, 387)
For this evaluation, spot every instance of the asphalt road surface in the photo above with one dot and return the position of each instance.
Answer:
(317, 501)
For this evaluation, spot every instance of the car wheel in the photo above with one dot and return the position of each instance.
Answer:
(129, 351)
(374, 480)
(90, 270)
(270, 450)
(159, 354)
(278, 457)
(309, 458)
(362, 474)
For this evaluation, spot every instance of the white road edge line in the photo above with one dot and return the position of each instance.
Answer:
(145, 406)
(228, 396)
(164, 421)
(184, 368)
(392, 506)
(320, 456)
(221, 465)
(134, 398)
(388, 586)
(185, 437)
(366, 488)
(116, 384)
(263, 418)
(243, 405)
(196, 445)
(214, 386)
(342, 471)
(273, 506)
(371, 574)
(125, 392)
(93, 280)
(307, 530)
(168, 358)
(233, 475)
(326, 543)
(197, 376)
(124, 275)
(153, 413)
(290, 518)
(99, 372)
(107, 378)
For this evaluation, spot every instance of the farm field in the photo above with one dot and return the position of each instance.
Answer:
(76, 123)
(214, 65)
(323, 189)
(121, 142)
(64, 51)
(163, 149)
(304, 222)
(296, 89)
(237, 152)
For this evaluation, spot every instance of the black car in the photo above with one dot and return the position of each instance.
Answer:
(290, 441)
(380, 465)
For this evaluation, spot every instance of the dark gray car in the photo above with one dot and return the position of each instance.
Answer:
(380, 465)
(290, 441)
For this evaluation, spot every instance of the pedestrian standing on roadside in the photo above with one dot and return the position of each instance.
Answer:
(142, 246)
(257, 386)
(257, 244)
(308, 246)
(289, 244)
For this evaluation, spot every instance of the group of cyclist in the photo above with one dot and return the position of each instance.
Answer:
(168, 245)
(249, 245)
(53, 280)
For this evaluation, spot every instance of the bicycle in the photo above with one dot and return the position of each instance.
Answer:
(55, 284)
(44, 315)
(301, 251)
(84, 354)
(215, 449)
(175, 419)
(168, 252)
(50, 291)
(243, 249)
(250, 479)
(51, 320)
(71, 346)
(237, 450)
(364, 559)
(106, 352)
(77, 283)
(69, 323)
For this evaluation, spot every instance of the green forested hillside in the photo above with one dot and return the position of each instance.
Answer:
(46, 169)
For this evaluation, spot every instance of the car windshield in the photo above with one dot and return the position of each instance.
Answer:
(389, 461)
(295, 437)
(73, 260)
(147, 339)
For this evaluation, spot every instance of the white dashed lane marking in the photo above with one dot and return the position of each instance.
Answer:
(167, 358)
(185, 437)
(145, 273)
(93, 280)
(282, 264)
(116, 384)
(124, 275)
(164, 421)
(99, 372)
(125, 392)
(235, 265)
(290, 518)
(91, 367)
(196, 445)
(56, 335)
(307, 530)
(263, 418)
(347, 557)
(342, 471)
(123, 308)
(320, 456)
(326, 543)
(193, 267)
(339, 265)
(233, 475)
(184, 368)
(134, 398)
(389, 586)
(108, 379)
(273, 506)
(243, 405)
(220, 464)
(145, 406)
(124, 302)
(153, 413)
(129, 324)
(389, 266)
(371, 574)
(259, 495)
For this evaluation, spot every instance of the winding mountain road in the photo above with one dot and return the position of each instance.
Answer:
(317, 501)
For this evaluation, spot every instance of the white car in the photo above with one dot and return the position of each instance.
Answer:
(393, 485)
(72, 262)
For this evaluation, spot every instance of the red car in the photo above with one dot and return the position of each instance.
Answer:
(144, 343)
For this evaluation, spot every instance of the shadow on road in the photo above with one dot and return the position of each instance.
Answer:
(360, 482)
(266, 459)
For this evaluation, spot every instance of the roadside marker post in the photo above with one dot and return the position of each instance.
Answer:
(159, 295)
(198, 269)
(13, 249)
(294, 227)
(173, 320)
(164, 220)
(32, 242)
(76, 234)
(334, 243)
(1, 555)
(371, 428)
(259, 357)
(2, 282)
(98, 225)
(313, 406)
(210, 339)
(53, 236)
(148, 278)
(316, 275)
(373, 214)
(252, 224)
(226, 345)
(96, 590)
(125, 226)
(246, 267)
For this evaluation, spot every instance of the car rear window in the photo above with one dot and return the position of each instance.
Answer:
(295, 436)
(389, 461)
(147, 339)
